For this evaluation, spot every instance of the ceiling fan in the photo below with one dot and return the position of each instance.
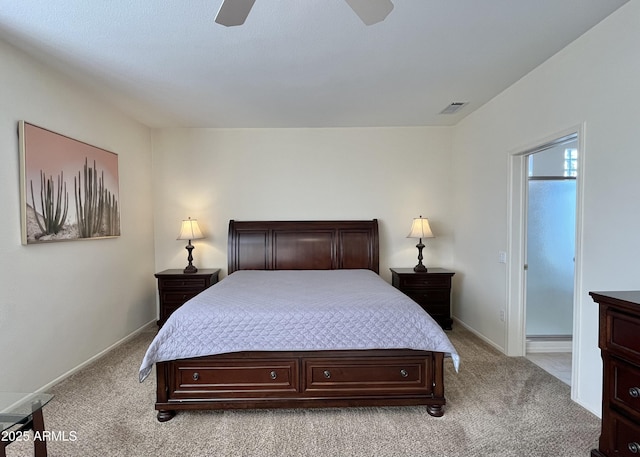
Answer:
(235, 12)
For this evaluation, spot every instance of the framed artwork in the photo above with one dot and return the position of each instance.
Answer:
(68, 189)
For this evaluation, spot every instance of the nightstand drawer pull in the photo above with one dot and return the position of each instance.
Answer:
(196, 376)
(273, 375)
(634, 447)
(327, 374)
(404, 373)
(634, 392)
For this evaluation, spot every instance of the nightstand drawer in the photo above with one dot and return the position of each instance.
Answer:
(437, 312)
(184, 283)
(168, 310)
(177, 298)
(420, 281)
(431, 297)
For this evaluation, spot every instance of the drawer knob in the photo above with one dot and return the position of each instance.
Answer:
(273, 375)
(404, 373)
(196, 376)
(634, 447)
(634, 392)
(327, 374)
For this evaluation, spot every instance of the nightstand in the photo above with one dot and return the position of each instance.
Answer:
(431, 290)
(176, 287)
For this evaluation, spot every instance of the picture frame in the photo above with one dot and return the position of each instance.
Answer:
(53, 166)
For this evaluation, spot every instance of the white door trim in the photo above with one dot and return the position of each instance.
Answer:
(515, 337)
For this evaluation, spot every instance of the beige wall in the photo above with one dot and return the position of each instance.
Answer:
(594, 84)
(393, 174)
(63, 303)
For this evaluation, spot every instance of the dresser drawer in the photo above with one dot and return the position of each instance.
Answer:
(624, 334)
(626, 385)
(365, 377)
(420, 281)
(237, 377)
(184, 283)
(626, 437)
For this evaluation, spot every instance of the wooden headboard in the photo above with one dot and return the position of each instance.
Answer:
(303, 245)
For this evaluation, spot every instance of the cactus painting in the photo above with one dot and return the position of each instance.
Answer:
(45, 201)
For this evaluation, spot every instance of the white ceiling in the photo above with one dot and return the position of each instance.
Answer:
(296, 63)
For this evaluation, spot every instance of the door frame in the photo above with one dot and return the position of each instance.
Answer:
(515, 333)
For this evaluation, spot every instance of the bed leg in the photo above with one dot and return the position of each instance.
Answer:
(162, 391)
(437, 410)
(164, 415)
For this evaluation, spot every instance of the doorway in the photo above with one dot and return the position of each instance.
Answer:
(550, 215)
(559, 334)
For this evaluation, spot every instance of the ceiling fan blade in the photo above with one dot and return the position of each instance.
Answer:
(371, 11)
(234, 12)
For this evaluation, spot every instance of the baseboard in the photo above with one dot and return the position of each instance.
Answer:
(146, 327)
(479, 335)
(537, 345)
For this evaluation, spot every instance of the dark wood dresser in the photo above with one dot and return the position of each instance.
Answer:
(176, 287)
(431, 290)
(619, 342)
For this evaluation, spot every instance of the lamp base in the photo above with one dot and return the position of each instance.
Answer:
(190, 268)
(420, 268)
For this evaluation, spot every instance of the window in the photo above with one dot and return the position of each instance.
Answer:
(571, 162)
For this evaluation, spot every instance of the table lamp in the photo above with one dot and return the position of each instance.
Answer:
(420, 229)
(190, 231)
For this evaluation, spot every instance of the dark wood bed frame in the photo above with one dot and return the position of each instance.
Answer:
(310, 378)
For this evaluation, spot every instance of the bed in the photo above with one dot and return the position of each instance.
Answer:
(301, 320)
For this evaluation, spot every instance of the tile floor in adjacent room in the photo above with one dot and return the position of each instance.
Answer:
(556, 363)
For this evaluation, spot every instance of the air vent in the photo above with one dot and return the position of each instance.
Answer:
(454, 107)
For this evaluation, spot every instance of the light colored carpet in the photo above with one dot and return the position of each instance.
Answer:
(497, 406)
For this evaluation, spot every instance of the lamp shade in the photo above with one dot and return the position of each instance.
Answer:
(190, 230)
(420, 228)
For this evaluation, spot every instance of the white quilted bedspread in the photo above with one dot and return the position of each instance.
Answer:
(302, 310)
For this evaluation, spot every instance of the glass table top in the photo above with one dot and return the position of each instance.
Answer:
(16, 407)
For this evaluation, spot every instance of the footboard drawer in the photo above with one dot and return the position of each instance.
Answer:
(366, 376)
(234, 378)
